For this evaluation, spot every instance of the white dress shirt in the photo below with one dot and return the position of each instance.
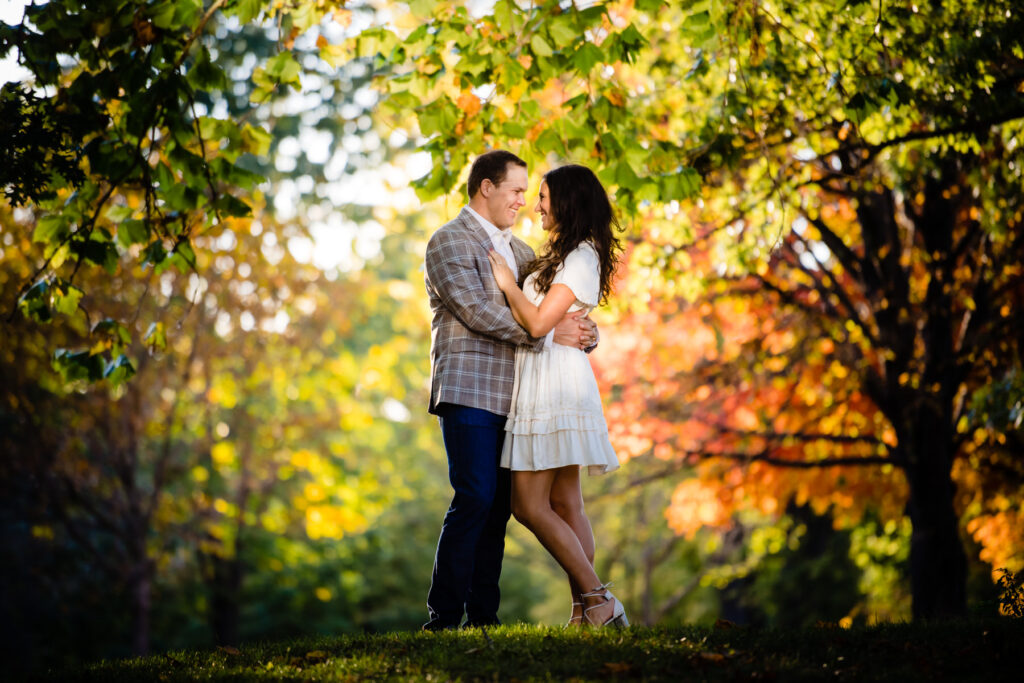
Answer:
(502, 239)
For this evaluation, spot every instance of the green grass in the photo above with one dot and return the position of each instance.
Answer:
(989, 650)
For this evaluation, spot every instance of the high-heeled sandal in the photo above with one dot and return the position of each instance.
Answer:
(618, 617)
(575, 621)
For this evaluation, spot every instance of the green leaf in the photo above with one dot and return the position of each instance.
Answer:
(697, 23)
(205, 75)
(586, 57)
(131, 232)
(476, 63)
(429, 121)
(232, 206)
(514, 130)
(116, 214)
(511, 73)
(648, 191)
(182, 197)
(281, 69)
(591, 16)
(156, 337)
(649, 6)
(255, 140)
(503, 16)
(690, 182)
(630, 40)
(108, 327)
(422, 8)
(548, 141)
(101, 253)
(154, 253)
(246, 10)
(35, 303)
(563, 32)
(65, 297)
(78, 365)
(540, 46)
(185, 252)
(119, 370)
(626, 177)
(186, 12)
(376, 41)
(51, 228)
(163, 15)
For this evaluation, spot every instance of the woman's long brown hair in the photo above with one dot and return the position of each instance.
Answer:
(581, 211)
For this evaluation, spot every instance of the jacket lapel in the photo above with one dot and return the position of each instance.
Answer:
(477, 230)
(520, 249)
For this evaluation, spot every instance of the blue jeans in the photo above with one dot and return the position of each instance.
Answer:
(469, 552)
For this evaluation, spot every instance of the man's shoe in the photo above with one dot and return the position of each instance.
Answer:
(440, 625)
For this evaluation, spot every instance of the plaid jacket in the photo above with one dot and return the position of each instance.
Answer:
(473, 336)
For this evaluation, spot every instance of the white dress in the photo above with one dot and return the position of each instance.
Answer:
(556, 418)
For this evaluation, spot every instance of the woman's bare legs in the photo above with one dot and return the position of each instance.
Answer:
(567, 502)
(532, 506)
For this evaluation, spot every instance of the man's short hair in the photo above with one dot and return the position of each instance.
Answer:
(491, 166)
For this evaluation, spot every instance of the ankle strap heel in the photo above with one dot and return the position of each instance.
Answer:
(618, 617)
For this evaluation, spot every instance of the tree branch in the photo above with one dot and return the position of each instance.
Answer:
(198, 31)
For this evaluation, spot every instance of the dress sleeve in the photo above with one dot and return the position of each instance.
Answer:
(581, 273)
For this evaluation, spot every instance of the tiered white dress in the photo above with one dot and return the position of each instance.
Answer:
(556, 418)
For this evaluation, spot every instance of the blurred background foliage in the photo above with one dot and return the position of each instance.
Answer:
(214, 349)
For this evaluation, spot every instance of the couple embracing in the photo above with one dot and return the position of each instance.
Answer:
(511, 385)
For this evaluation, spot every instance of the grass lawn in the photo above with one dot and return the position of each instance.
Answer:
(988, 650)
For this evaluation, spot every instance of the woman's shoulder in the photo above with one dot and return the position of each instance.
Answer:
(585, 252)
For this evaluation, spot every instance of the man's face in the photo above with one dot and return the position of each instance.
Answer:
(505, 199)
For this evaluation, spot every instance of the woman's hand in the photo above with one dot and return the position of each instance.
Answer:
(502, 273)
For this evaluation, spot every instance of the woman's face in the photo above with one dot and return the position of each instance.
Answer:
(547, 221)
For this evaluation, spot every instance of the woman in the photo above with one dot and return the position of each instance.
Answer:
(556, 425)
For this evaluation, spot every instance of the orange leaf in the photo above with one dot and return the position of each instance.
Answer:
(469, 103)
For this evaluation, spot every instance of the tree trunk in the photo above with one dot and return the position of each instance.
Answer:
(938, 565)
(225, 583)
(141, 587)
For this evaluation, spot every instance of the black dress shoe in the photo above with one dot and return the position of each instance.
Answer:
(440, 625)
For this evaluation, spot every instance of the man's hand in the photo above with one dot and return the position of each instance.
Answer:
(576, 329)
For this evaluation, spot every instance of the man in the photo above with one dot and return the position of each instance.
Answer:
(472, 351)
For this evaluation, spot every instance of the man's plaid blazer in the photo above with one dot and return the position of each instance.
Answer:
(473, 336)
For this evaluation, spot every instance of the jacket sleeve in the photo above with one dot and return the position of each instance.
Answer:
(451, 271)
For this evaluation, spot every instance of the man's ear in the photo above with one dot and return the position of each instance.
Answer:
(486, 186)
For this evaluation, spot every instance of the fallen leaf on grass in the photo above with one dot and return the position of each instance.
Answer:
(229, 650)
(724, 623)
(713, 657)
(618, 667)
(316, 654)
